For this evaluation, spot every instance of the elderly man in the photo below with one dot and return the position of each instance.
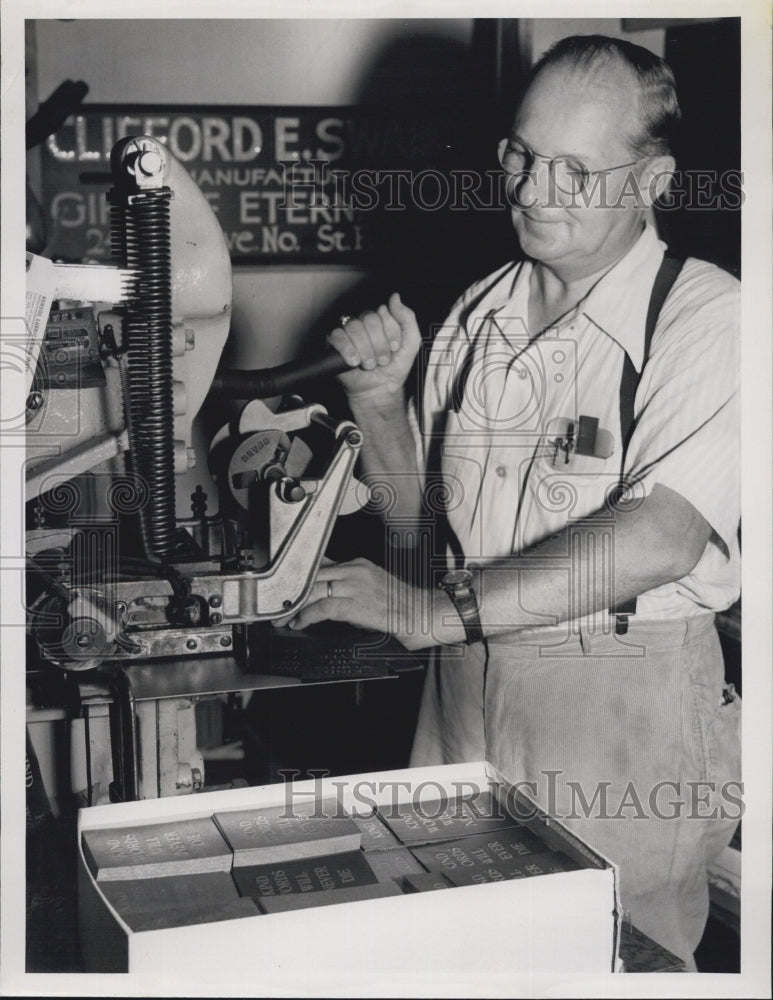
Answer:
(579, 409)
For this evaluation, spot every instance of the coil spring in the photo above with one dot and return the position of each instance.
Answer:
(117, 228)
(142, 232)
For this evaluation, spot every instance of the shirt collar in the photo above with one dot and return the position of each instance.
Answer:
(618, 303)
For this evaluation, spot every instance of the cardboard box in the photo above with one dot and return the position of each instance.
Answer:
(452, 943)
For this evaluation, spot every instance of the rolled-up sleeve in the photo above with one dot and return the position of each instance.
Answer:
(686, 435)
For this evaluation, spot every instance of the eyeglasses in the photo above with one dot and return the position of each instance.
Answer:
(569, 174)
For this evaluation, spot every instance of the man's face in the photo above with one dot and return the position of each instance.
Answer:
(588, 115)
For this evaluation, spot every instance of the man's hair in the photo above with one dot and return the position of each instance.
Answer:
(659, 112)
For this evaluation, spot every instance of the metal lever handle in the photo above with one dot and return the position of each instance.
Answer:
(263, 383)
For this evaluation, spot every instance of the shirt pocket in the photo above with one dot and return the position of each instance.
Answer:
(564, 481)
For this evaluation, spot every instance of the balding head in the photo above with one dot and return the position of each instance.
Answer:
(606, 61)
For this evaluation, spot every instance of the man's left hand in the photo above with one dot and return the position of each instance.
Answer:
(363, 594)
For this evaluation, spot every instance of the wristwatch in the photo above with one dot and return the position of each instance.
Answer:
(457, 583)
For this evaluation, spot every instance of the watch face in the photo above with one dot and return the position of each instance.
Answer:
(457, 578)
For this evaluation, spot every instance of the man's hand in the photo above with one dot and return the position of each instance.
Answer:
(381, 346)
(363, 594)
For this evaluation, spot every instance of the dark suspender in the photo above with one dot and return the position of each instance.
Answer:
(629, 383)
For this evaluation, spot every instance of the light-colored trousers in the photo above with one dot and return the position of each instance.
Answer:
(633, 741)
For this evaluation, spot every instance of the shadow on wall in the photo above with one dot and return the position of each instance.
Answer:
(429, 252)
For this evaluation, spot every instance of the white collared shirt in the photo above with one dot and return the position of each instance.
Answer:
(499, 404)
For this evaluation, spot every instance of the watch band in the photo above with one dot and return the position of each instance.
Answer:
(458, 585)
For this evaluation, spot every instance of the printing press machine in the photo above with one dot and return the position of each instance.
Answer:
(135, 614)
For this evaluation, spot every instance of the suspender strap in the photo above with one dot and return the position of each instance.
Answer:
(629, 383)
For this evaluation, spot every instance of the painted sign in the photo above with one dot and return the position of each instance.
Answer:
(288, 185)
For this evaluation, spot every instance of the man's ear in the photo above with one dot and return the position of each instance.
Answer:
(656, 179)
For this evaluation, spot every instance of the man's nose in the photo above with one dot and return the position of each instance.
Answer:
(531, 188)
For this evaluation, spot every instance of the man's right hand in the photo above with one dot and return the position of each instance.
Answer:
(380, 347)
